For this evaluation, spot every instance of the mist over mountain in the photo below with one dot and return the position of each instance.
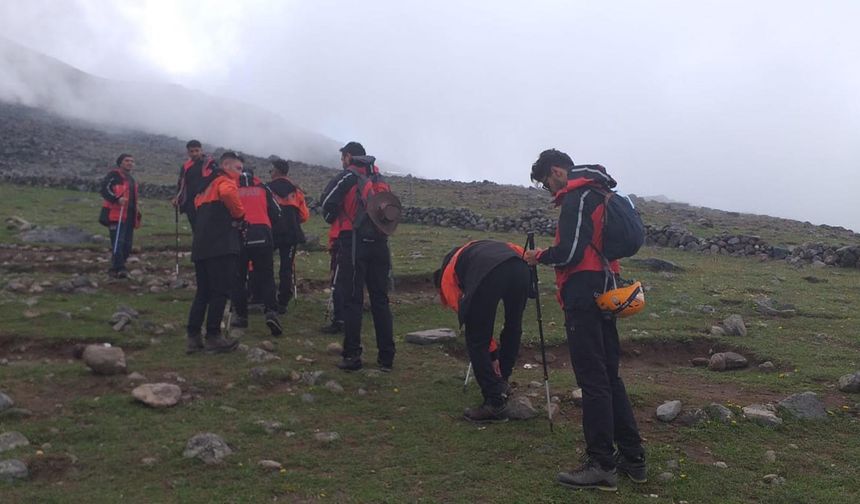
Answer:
(36, 80)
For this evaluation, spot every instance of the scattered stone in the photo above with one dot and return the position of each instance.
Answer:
(270, 426)
(708, 309)
(693, 417)
(16, 223)
(267, 346)
(334, 349)
(361, 392)
(260, 355)
(767, 367)
(207, 447)
(576, 397)
(850, 383)
(734, 325)
(11, 440)
(804, 406)
(158, 395)
(520, 408)
(553, 410)
(762, 414)
(535, 384)
(308, 398)
(550, 357)
(327, 437)
(673, 464)
(727, 361)
(311, 377)
(270, 465)
(719, 413)
(333, 386)
(769, 307)
(6, 402)
(717, 331)
(258, 373)
(665, 477)
(770, 456)
(773, 479)
(700, 361)
(105, 360)
(136, 377)
(149, 461)
(431, 336)
(12, 469)
(721, 465)
(668, 411)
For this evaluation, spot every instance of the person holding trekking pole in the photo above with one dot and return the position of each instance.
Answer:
(582, 271)
(120, 212)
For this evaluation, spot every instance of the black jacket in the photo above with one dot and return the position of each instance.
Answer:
(288, 228)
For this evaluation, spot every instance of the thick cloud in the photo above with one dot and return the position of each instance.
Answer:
(746, 106)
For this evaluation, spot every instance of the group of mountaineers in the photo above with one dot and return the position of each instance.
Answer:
(238, 221)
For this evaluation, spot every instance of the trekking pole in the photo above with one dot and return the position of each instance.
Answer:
(176, 223)
(118, 227)
(293, 276)
(468, 375)
(530, 244)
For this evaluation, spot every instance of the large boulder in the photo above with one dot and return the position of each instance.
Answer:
(12, 440)
(668, 411)
(105, 360)
(431, 336)
(850, 383)
(207, 447)
(805, 406)
(158, 395)
(726, 361)
(11, 470)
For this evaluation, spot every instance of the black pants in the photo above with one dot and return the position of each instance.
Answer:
(191, 213)
(607, 417)
(336, 294)
(120, 251)
(285, 273)
(371, 268)
(214, 281)
(261, 259)
(507, 283)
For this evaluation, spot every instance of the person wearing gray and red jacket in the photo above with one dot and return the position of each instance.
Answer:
(193, 175)
(120, 212)
(611, 435)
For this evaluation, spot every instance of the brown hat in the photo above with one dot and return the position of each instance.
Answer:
(384, 210)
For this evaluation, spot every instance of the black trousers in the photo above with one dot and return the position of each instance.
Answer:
(371, 268)
(191, 214)
(507, 283)
(336, 294)
(607, 416)
(214, 281)
(285, 273)
(120, 251)
(262, 261)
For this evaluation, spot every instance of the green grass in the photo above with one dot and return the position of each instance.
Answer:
(404, 440)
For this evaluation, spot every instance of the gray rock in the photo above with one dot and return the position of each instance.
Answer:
(334, 349)
(668, 411)
(267, 346)
(207, 447)
(520, 408)
(158, 395)
(12, 469)
(311, 377)
(773, 479)
(105, 360)
(721, 465)
(717, 331)
(767, 367)
(665, 477)
(270, 426)
(431, 336)
(770, 456)
(719, 413)
(770, 307)
(576, 397)
(734, 325)
(136, 377)
(692, 417)
(271, 465)
(326, 437)
(762, 414)
(11, 440)
(6, 402)
(805, 406)
(258, 355)
(850, 383)
(149, 461)
(726, 361)
(333, 386)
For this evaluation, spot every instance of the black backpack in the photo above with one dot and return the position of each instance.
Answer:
(623, 230)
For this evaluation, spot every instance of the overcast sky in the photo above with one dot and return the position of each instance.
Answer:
(747, 105)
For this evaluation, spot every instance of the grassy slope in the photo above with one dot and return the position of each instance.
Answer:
(404, 441)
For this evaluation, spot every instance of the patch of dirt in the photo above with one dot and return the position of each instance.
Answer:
(50, 467)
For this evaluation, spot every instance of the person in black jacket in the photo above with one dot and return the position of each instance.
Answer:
(472, 281)
(287, 230)
(120, 212)
(192, 179)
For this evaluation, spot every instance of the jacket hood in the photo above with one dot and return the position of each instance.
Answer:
(586, 175)
(363, 161)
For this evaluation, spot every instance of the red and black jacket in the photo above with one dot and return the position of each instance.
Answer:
(193, 178)
(261, 210)
(294, 211)
(464, 268)
(579, 233)
(116, 185)
(341, 202)
(219, 209)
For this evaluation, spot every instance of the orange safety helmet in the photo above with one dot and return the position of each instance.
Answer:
(622, 302)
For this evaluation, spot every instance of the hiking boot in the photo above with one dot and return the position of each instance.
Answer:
(194, 344)
(589, 475)
(274, 324)
(336, 327)
(634, 468)
(239, 322)
(385, 367)
(349, 364)
(220, 344)
(486, 413)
